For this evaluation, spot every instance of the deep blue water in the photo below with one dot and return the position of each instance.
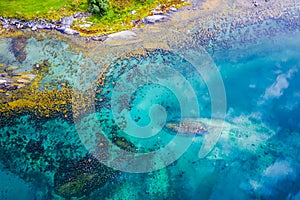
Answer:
(258, 158)
(265, 81)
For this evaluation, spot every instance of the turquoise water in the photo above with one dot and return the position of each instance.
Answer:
(256, 158)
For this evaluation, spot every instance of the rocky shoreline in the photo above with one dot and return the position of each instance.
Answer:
(64, 25)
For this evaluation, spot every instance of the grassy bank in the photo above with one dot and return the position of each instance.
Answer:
(119, 16)
(35, 9)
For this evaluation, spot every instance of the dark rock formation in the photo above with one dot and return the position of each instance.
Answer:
(78, 179)
(18, 45)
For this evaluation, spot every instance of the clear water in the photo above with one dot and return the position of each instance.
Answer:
(258, 158)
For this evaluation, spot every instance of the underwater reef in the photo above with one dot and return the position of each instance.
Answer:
(54, 86)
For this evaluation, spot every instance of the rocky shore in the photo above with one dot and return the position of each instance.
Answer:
(64, 25)
(11, 80)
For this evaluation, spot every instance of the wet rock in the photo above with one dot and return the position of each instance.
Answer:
(19, 26)
(124, 144)
(18, 45)
(68, 31)
(157, 12)
(14, 22)
(188, 127)
(4, 83)
(40, 26)
(155, 19)
(47, 26)
(67, 22)
(14, 81)
(60, 29)
(99, 38)
(11, 80)
(35, 149)
(64, 24)
(27, 25)
(173, 9)
(123, 35)
(34, 28)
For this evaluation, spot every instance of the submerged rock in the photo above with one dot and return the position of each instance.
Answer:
(18, 45)
(123, 35)
(99, 38)
(11, 79)
(78, 179)
(188, 127)
(14, 81)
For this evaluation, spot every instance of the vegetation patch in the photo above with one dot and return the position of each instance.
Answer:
(123, 15)
(36, 9)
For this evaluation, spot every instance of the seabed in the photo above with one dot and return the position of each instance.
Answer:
(203, 106)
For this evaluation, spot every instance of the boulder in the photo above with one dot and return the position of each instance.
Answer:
(157, 12)
(18, 45)
(67, 21)
(68, 31)
(155, 19)
(3, 81)
(173, 9)
(99, 38)
(123, 35)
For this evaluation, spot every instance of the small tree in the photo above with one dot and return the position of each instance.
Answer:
(98, 6)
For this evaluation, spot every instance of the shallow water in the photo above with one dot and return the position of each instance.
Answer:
(252, 156)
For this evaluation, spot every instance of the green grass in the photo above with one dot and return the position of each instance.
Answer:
(48, 9)
(119, 16)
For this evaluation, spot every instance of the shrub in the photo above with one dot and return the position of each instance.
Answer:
(98, 6)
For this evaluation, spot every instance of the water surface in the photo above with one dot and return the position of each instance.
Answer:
(48, 157)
